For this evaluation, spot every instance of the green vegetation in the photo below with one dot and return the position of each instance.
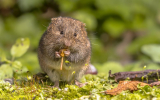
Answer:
(93, 90)
(125, 36)
(10, 67)
(118, 29)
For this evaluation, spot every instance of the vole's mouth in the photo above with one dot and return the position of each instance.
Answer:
(70, 48)
(59, 47)
(65, 47)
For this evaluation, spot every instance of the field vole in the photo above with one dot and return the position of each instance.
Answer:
(69, 35)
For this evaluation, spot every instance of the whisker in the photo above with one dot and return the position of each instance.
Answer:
(94, 44)
(44, 25)
(93, 38)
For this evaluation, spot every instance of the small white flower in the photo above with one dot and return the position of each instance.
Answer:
(154, 98)
(65, 89)
(6, 87)
(124, 94)
(11, 89)
(41, 96)
(29, 77)
(2, 82)
(97, 97)
(7, 83)
(49, 99)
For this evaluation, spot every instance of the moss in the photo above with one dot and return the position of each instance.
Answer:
(93, 90)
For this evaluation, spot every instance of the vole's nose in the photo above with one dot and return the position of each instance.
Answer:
(67, 43)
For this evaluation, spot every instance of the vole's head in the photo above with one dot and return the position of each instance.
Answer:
(67, 33)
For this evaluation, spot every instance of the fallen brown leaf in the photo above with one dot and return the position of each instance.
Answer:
(125, 85)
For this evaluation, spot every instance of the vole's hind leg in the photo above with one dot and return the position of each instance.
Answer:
(76, 82)
(80, 84)
(78, 76)
(56, 84)
(54, 77)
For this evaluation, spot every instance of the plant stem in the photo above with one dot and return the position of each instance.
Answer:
(61, 63)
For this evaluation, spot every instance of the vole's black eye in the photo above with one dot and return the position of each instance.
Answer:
(75, 34)
(61, 32)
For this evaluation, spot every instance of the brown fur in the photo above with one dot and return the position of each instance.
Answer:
(53, 41)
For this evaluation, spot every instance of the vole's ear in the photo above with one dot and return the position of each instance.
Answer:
(53, 19)
(56, 21)
(53, 22)
(83, 29)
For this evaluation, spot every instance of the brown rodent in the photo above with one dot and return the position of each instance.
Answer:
(69, 34)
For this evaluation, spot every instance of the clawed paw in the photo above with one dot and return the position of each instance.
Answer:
(66, 52)
(56, 84)
(80, 84)
(62, 53)
(57, 54)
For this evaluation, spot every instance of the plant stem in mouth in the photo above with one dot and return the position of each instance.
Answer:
(61, 63)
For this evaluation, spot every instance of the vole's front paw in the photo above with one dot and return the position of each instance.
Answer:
(57, 55)
(67, 52)
(64, 52)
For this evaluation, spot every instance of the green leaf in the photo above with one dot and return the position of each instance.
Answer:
(17, 64)
(20, 47)
(5, 71)
(136, 44)
(2, 56)
(152, 51)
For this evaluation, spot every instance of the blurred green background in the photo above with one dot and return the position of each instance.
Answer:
(125, 34)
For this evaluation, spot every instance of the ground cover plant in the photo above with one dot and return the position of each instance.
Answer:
(13, 65)
(94, 90)
(124, 35)
(25, 86)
